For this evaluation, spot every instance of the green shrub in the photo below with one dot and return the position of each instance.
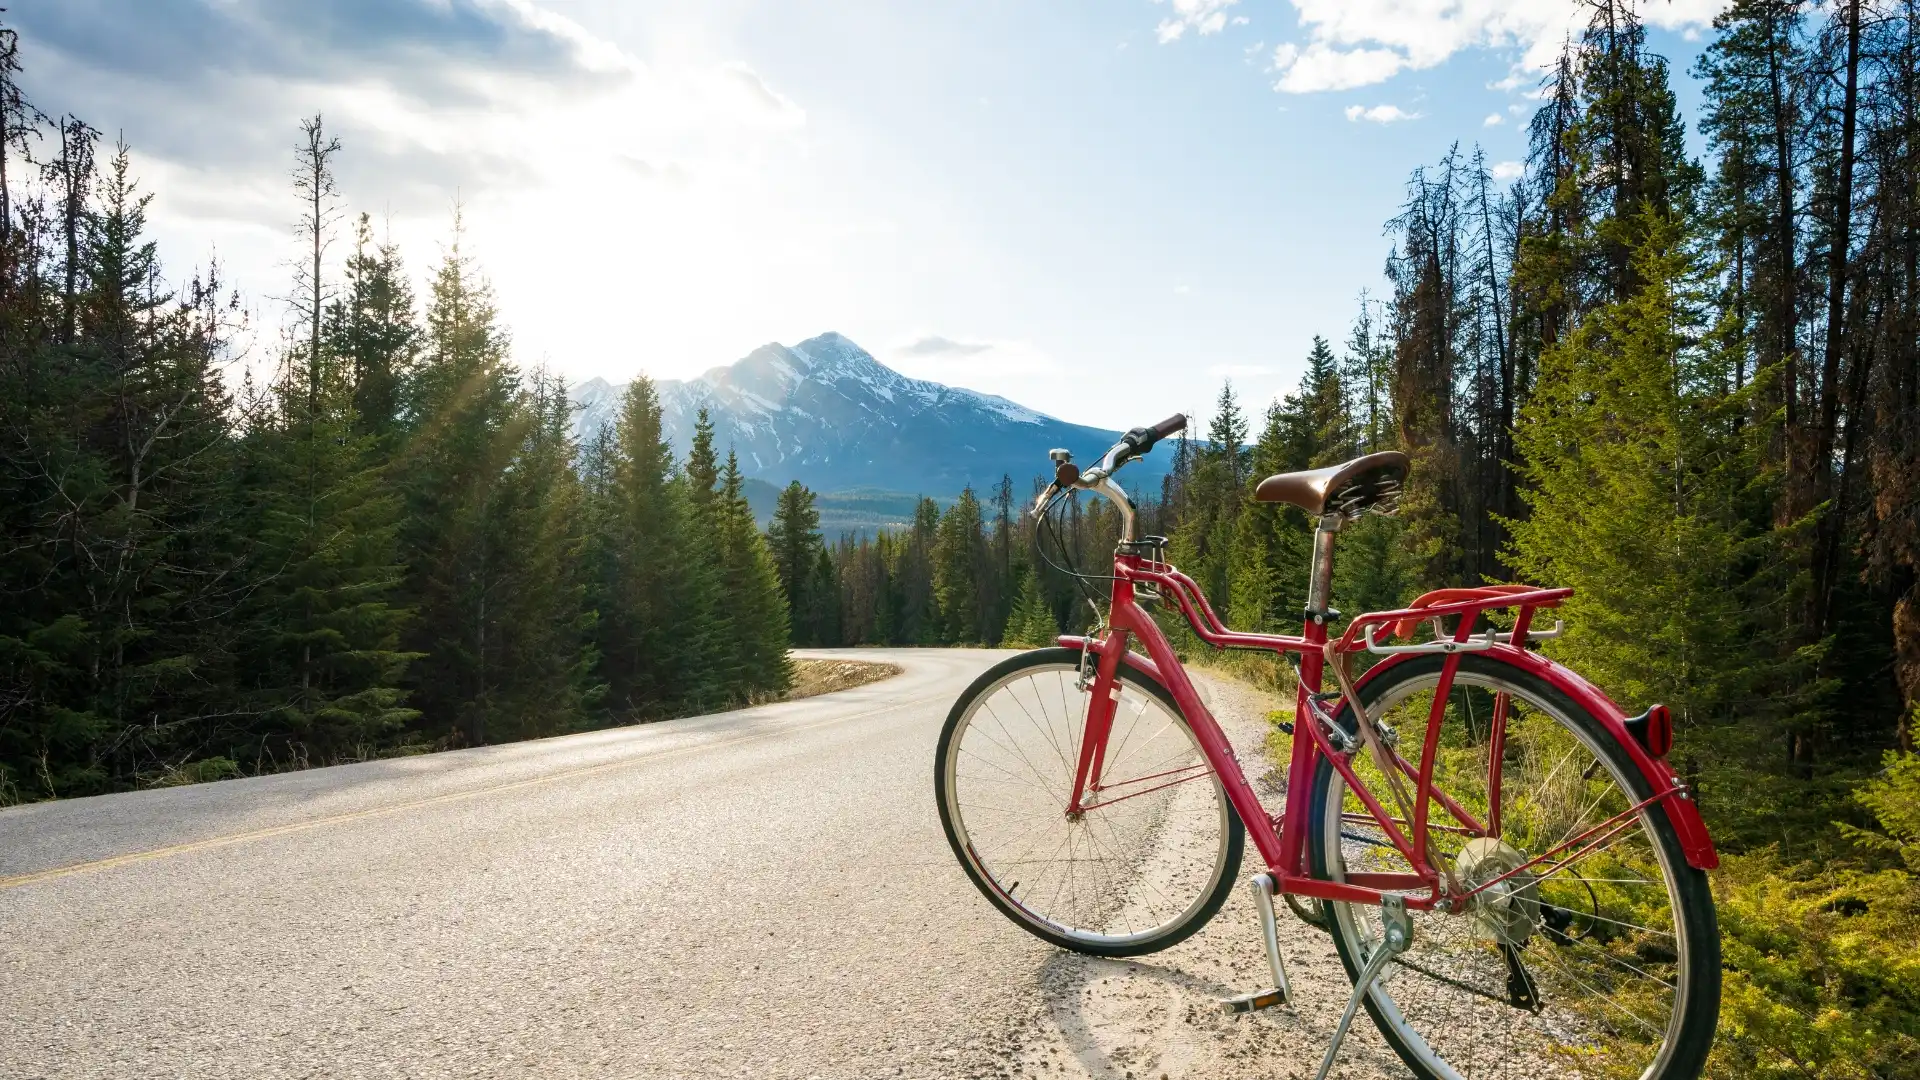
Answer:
(1823, 960)
(200, 772)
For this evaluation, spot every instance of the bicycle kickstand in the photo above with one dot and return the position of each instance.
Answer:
(1396, 935)
(1263, 888)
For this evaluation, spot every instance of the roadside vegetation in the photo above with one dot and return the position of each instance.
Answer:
(351, 528)
(815, 677)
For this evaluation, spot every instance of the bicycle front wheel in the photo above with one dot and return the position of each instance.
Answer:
(1147, 862)
(1603, 961)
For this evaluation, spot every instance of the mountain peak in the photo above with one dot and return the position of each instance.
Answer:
(827, 413)
(833, 352)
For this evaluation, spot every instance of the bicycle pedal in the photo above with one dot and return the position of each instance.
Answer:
(1246, 1003)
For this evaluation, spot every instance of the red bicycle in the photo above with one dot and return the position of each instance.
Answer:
(1524, 895)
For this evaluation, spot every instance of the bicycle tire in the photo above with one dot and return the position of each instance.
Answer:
(1683, 1051)
(953, 818)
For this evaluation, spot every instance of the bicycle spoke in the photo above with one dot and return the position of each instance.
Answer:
(1614, 959)
(1123, 867)
(1556, 962)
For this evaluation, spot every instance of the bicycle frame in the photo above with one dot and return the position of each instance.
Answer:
(1281, 840)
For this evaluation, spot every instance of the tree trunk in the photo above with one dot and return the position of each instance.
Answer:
(1827, 535)
(1784, 302)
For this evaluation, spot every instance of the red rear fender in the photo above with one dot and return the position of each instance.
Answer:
(1681, 811)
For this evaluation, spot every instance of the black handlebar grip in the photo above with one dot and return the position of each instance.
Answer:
(1141, 439)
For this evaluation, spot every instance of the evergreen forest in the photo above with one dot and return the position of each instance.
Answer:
(353, 529)
(1674, 364)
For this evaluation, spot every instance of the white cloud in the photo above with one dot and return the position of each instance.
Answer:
(761, 98)
(939, 345)
(968, 361)
(1182, 290)
(673, 185)
(1380, 114)
(1507, 170)
(1352, 43)
(1493, 120)
(1201, 16)
(1317, 67)
(1238, 371)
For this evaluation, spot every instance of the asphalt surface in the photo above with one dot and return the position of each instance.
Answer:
(758, 893)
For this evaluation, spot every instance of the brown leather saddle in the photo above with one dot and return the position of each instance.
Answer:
(1366, 483)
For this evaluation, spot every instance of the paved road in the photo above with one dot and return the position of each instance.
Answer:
(762, 893)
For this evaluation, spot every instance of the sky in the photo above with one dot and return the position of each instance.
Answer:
(1098, 208)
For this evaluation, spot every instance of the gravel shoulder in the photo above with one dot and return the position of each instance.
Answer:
(813, 676)
(1158, 1016)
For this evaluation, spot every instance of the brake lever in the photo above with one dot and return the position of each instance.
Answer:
(1042, 504)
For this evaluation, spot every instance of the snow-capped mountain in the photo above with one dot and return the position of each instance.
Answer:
(826, 413)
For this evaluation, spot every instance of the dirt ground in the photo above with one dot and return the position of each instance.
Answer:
(812, 677)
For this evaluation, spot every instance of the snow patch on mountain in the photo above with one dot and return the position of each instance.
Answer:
(827, 413)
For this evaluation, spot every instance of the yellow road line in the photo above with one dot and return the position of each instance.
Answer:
(190, 847)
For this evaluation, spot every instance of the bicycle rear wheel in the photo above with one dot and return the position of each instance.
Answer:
(1148, 862)
(1604, 962)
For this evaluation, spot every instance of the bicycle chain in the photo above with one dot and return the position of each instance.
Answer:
(1458, 985)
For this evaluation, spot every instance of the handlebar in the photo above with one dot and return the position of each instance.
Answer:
(1141, 439)
(1133, 444)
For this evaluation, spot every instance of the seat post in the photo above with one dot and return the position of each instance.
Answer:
(1320, 583)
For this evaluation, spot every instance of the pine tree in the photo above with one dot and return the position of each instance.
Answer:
(542, 645)
(123, 564)
(1365, 380)
(1630, 137)
(998, 595)
(322, 664)
(1032, 623)
(1427, 277)
(660, 579)
(1636, 474)
(703, 465)
(467, 423)
(750, 591)
(823, 614)
(370, 329)
(794, 537)
(1264, 537)
(914, 610)
(1321, 404)
(1253, 596)
(1212, 495)
(1272, 543)
(715, 663)
(958, 550)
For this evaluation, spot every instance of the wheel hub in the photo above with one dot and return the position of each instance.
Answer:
(1508, 911)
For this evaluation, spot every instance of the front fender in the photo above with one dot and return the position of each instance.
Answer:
(1681, 810)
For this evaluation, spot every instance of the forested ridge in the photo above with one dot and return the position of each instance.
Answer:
(353, 528)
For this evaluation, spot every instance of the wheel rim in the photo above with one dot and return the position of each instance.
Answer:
(1138, 864)
(1600, 939)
